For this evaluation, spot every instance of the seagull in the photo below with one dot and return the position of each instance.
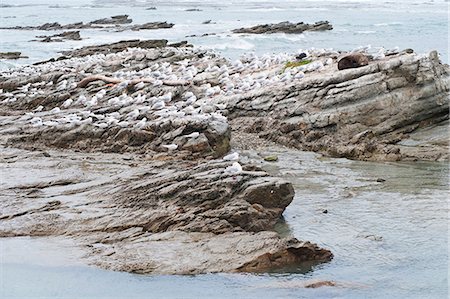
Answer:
(231, 157)
(299, 75)
(67, 103)
(101, 125)
(92, 102)
(158, 83)
(141, 123)
(62, 85)
(27, 116)
(192, 135)
(100, 94)
(140, 85)
(235, 168)
(133, 114)
(170, 147)
(36, 122)
(55, 110)
(122, 85)
(39, 108)
(50, 123)
(123, 124)
(167, 97)
(86, 121)
(158, 105)
(191, 100)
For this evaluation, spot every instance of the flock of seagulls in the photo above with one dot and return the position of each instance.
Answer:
(150, 103)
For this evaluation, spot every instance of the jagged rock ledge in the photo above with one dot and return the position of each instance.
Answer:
(60, 37)
(169, 111)
(152, 214)
(118, 23)
(174, 193)
(11, 55)
(286, 27)
(155, 95)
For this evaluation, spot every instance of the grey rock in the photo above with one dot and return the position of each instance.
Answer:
(11, 55)
(286, 27)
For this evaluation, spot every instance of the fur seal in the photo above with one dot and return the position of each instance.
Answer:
(353, 60)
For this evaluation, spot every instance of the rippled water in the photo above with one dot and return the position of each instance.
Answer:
(421, 25)
(390, 240)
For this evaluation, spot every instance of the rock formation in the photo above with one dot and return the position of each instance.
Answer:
(11, 55)
(118, 23)
(60, 37)
(138, 130)
(286, 27)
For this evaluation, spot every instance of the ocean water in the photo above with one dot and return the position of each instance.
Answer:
(421, 25)
(390, 239)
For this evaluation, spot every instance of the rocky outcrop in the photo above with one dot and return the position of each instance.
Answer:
(161, 118)
(152, 214)
(118, 23)
(115, 47)
(154, 96)
(286, 27)
(152, 26)
(11, 55)
(152, 107)
(114, 20)
(67, 35)
(359, 113)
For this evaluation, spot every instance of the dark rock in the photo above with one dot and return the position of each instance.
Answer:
(286, 27)
(68, 35)
(11, 55)
(150, 26)
(116, 47)
(180, 44)
(319, 284)
(114, 20)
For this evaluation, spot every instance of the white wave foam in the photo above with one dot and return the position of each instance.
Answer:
(236, 44)
(388, 24)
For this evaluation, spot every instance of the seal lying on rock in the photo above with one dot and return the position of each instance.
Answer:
(353, 60)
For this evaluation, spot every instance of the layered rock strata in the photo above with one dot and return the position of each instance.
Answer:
(162, 117)
(286, 27)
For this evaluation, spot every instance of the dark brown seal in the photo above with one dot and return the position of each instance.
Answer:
(353, 60)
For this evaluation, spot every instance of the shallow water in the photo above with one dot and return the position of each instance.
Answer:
(421, 25)
(389, 240)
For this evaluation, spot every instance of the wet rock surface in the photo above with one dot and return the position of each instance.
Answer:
(117, 23)
(60, 37)
(144, 214)
(286, 27)
(11, 55)
(132, 142)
